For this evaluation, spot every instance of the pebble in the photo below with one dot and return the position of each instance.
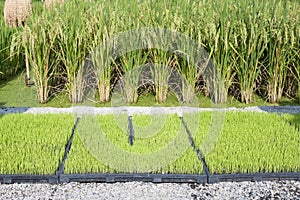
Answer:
(141, 190)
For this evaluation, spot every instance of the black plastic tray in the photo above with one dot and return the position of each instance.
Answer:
(25, 178)
(127, 177)
(215, 178)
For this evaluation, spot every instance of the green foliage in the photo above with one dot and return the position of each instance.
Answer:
(33, 144)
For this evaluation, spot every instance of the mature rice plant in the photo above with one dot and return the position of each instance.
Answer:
(15, 14)
(161, 72)
(74, 43)
(50, 3)
(249, 46)
(217, 37)
(39, 43)
(187, 81)
(9, 63)
(102, 61)
(131, 69)
(253, 45)
(280, 54)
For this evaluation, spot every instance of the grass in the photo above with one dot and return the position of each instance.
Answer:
(33, 144)
(14, 93)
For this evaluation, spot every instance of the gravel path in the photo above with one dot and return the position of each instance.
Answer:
(140, 190)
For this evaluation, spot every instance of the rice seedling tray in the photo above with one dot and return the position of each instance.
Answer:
(32, 146)
(25, 178)
(202, 174)
(128, 177)
(206, 177)
(216, 178)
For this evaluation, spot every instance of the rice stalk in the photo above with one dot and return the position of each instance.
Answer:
(160, 71)
(131, 74)
(278, 55)
(73, 45)
(39, 41)
(9, 63)
(249, 53)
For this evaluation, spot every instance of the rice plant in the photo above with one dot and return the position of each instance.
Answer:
(161, 72)
(253, 45)
(39, 44)
(218, 35)
(9, 63)
(51, 3)
(281, 46)
(73, 45)
(249, 46)
(131, 74)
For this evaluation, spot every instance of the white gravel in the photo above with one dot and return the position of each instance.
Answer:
(146, 110)
(140, 190)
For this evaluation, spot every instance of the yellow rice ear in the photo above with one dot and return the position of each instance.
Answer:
(49, 3)
(17, 11)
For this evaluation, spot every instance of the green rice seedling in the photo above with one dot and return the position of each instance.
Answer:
(86, 161)
(254, 142)
(292, 119)
(81, 161)
(35, 142)
(188, 163)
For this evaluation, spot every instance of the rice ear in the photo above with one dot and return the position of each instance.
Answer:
(50, 3)
(16, 12)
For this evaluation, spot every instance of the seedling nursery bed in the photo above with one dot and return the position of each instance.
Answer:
(59, 148)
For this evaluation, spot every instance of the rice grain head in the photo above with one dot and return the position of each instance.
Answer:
(16, 12)
(49, 3)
